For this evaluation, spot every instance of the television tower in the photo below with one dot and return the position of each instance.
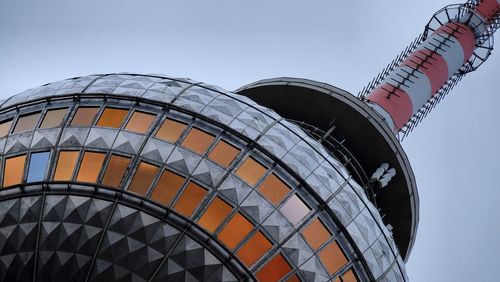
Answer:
(132, 177)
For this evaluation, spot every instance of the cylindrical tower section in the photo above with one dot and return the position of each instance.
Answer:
(436, 60)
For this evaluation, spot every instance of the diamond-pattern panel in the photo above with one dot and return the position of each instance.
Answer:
(134, 244)
(18, 235)
(189, 261)
(69, 236)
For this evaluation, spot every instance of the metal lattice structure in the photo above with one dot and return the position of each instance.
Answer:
(482, 19)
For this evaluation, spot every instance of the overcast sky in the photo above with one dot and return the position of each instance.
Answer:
(455, 152)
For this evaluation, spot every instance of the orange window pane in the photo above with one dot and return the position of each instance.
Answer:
(5, 128)
(349, 276)
(14, 170)
(332, 257)
(293, 278)
(250, 171)
(115, 170)
(215, 215)
(254, 249)
(140, 122)
(26, 123)
(274, 270)
(190, 199)
(143, 178)
(84, 116)
(274, 189)
(167, 187)
(198, 140)
(112, 117)
(90, 167)
(223, 153)
(65, 165)
(235, 230)
(170, 130)
(53, 118)
(316, 233)
(294, 209)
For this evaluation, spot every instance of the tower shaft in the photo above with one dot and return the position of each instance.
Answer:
(447, 51)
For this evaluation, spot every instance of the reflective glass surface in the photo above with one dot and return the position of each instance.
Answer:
(167, 187)
(198, 141)
(332, 257)
(294, 209)
(116, 169)
(85, 116)
(235, 230)
(170, 130)
(38, 166)
(65, 165)
(143, 178)
(26, 123)
(274, 270)
(316, 233)
(5, 128)
(223, 153)
(14, 170)
(53, 118)
(250, 171)
(112, 117)
(274, 189)
(90, 166)
(190, 199)
(254, 248)
(215, 214)
(140, 122)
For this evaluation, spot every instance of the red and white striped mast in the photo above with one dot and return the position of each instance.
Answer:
(456, 41)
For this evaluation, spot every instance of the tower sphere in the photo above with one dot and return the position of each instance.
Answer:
(133, 177)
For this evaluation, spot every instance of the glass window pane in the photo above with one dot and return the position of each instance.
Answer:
(116, 169)
(198, 140)
(85, 116)
(143, 178)
(90, 167)
(38, 166)
(14, 170)
(26, 123)
(235, 230)
(254, 248)
(274, 189)
(215, 215)
(223, 153)
(167, 187)
(112, 117)
(53, 118)
(332, 257)
(5, 128)
(274, 270)
(170, 130)
(316, 233)
(294, 209)
(349, 276)
(140, 122)
(190, 199)
(251, 171)
(65, 165)
(293, 278)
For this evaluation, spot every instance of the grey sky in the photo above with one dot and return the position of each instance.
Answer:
(454, 152)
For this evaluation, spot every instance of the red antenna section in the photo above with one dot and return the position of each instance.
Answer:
(456, 41)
